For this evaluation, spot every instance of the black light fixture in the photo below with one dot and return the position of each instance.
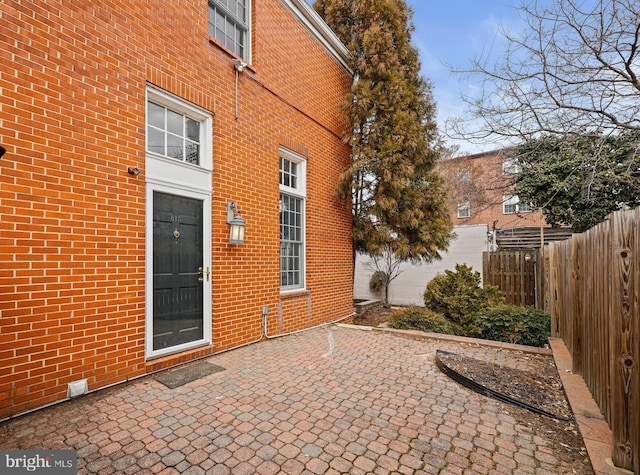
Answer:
(236, 222)
(2, 151)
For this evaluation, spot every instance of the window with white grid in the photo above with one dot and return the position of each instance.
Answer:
(292, 220)
(229, 24)
(177, 129)
(511, 166)
(511, 204)
(464, 209)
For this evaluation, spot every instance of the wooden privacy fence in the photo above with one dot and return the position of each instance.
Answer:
(593, 295)
(514, 273)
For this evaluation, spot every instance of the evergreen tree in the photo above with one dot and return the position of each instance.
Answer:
(578, 181)
(399, 203)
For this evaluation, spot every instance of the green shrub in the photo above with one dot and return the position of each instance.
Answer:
(459, 297)
(419, 318)
(513, 324)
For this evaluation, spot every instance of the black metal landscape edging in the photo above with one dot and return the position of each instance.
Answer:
(485, 391)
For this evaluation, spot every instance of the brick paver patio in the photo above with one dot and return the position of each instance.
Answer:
(325, 401)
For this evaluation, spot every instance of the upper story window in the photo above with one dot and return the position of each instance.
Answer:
(524, 207)
(464, 210)
(511, 204)
(511, 166)
(463, 175)
(292, 220)
(229, 24)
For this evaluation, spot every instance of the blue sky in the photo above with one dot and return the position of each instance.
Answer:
(454, 32)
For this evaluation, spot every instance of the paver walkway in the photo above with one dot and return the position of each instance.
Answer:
(326, 401)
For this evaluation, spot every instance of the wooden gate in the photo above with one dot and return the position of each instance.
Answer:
(515, 274)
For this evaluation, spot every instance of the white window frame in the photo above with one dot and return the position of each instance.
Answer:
(510, 201)
(464, 209)
(510, 166)
(524, 207)
(463, 175)
(298, 191)
(245, 24)
(205, 119)
(514, 201)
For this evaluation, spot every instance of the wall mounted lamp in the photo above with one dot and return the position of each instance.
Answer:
(135, 171)
(237, 223)
(2, 151)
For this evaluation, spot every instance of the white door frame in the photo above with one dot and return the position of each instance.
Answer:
(206, 252)
(168, 175)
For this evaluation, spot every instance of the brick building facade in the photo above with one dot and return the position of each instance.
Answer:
(129, 127)
(481, 190)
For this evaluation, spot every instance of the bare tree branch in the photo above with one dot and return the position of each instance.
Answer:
(573, 69)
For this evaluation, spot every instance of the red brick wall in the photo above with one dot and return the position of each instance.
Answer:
(72, 220)
(484, 189)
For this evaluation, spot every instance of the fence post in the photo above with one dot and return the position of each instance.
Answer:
(554, 308)
(577, 297)
(545, 294)
(624, 337)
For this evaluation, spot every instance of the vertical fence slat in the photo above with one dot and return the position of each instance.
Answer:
(552, 290)
(622, 331)
(576, 297)
(635, 344)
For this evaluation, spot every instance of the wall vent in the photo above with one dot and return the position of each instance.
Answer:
(77, 388)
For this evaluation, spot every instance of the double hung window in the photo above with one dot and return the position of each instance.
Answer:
(511, 166)
(292, 220)
(463, 175)
(229, 22)
(511, 204)
(464, 209)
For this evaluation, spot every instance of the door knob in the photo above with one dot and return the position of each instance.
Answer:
(201, 271)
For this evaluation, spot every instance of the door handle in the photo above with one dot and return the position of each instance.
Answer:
(201, 271)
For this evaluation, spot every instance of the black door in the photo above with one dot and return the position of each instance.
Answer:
(177, 264)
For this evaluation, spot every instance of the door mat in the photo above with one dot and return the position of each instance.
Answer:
(186, 374)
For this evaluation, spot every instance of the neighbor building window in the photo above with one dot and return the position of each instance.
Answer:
(292, 220)
(511, 166)
(175, 129)
(464, 209)
(524, 207)
(229, 24)
(463, 175)
(511, 204)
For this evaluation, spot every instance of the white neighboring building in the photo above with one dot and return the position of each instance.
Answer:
(408, 288)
